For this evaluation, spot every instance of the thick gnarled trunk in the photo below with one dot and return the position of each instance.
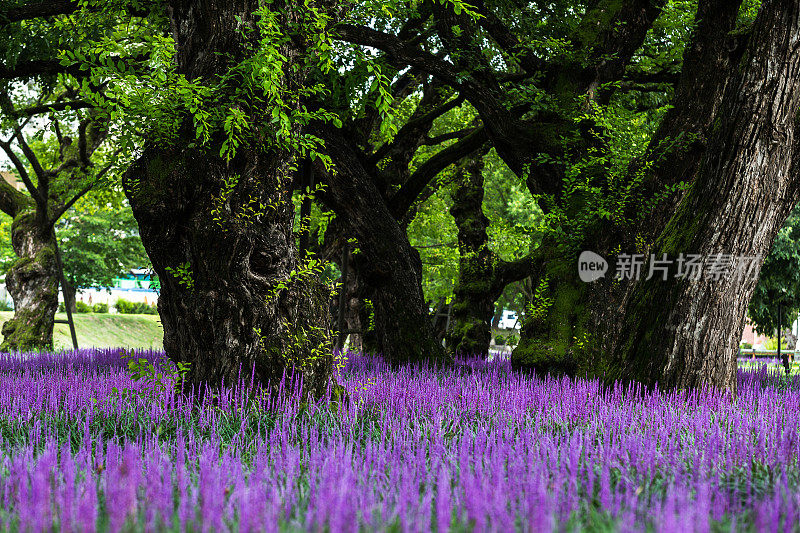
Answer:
(387, 265)
(473, 297)
(221, 304)
(234, 297)
(684, 332)
(32, 282)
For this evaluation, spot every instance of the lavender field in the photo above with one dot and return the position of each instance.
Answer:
(478, 448)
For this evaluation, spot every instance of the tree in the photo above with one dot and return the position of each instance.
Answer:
(97, 245)
(58, 143)
(482, 274)
(551, 98)
(54, 182)
(213, 112)
(213, 200)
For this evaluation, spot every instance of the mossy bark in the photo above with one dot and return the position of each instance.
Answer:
(234, 297)
(386, 264)
(32, 282)
(476, 288)
(685, 331)
(482, 274)
(557, 320)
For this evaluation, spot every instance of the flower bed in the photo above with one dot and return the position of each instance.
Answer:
(477, 447)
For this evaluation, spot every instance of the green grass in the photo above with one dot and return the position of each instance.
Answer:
(104, 330)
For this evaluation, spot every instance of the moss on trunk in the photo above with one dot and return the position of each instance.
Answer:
(32, 282)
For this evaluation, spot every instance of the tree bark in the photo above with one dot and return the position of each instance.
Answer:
(32, 282)
(482, 275)
(473, 296)
(354, 303)
(234, 297)
(387, 264)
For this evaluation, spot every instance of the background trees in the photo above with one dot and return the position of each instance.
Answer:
(54, 178)
(556, 130)
(617, 127)
(98, 243)
(779, 282)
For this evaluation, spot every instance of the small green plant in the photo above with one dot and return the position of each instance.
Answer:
(82, 307)
(5, 305)
(183, 273)
(157, 380)
(100, 308)
(541, 302)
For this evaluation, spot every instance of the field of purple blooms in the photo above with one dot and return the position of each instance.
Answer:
(478, 447)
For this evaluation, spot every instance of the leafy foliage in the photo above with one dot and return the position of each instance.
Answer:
(779, 280)
(98, 243)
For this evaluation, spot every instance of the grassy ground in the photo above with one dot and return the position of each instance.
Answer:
(103, 330)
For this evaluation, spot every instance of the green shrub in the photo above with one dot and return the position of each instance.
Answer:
(124, 306)
(135, 308)
(5, 305)
(61, 308)
(100, 308)
(81, 307)
(746, 346)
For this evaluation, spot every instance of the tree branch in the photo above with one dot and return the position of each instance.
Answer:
(33, 10)
(399, 51)
(414, 124)
(439, 139)
(403, 199)
(38, 67)
(53, 8)
(56, 106)
(507, 41)
(23, 174)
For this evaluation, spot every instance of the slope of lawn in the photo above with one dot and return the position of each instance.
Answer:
(103, 330)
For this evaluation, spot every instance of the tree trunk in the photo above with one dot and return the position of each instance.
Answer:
(482, 275)
(234, 297)
(387, 264)
(683, 332)
(353, 309)
(32, 282)
(556, 317)
(70, 297)
(474, 293)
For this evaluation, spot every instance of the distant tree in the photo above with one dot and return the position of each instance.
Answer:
(779, 281)
(98, 245)
(59, 163)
